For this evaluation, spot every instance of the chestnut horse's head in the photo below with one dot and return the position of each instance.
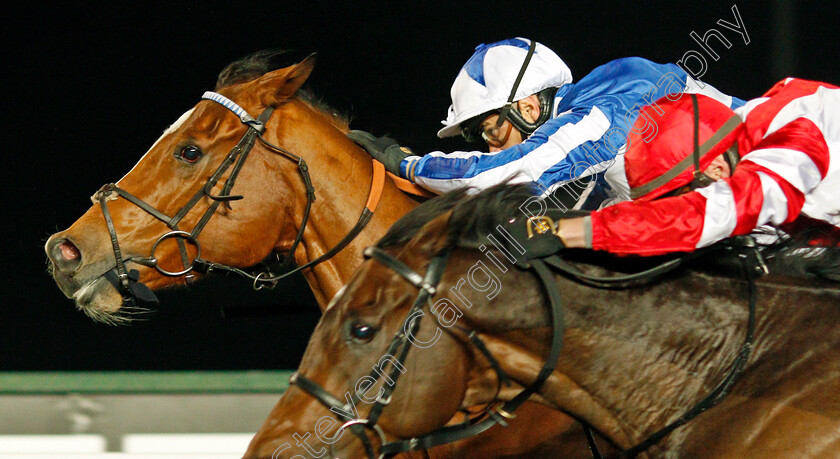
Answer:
(148, 228)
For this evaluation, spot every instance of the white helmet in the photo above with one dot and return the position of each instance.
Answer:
(486, 80)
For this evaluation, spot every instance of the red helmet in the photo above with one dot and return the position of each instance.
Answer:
(692, 131)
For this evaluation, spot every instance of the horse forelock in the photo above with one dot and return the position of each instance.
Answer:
(256, 65)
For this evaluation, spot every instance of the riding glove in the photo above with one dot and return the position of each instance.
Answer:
(383, 149)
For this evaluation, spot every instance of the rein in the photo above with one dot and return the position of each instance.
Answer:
(753, 267)
(127, 282)
(752, 264)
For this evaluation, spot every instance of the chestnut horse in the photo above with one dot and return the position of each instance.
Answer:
(183, 176)
(243, 232)
(634, 360)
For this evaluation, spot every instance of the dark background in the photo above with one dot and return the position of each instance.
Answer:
(94, 84)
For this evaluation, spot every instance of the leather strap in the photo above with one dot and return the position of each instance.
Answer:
(505, 411)
(377, 185)
(400, 268)
(507, 107)
(122, 275)
(410, 188)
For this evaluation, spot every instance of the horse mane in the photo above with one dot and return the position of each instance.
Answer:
(473, 217)
(410, 224)
(261, 62)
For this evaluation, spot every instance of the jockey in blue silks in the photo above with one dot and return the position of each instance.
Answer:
(518, 96)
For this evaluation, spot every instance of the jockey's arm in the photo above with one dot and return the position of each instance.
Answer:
(768, 187)
(561, 147)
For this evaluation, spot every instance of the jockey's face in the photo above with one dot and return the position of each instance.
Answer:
(505, 136)
(718, 169)
(499, 137)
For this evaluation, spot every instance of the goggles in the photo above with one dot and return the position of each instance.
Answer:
(471, 128)
(495, 134)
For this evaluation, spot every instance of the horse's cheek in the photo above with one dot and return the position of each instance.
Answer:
(431, 401)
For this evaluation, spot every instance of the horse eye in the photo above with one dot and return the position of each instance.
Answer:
(190, 154)
(362, 332)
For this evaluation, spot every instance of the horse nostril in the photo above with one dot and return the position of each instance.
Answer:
(64, 254)
(69, 251)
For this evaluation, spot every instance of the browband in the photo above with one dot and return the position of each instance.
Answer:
(235, 108)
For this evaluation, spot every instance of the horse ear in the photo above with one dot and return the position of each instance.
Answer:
(279, 85)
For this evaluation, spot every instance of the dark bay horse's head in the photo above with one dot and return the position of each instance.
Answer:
(350, 356)
(352, 360)
(176, 169)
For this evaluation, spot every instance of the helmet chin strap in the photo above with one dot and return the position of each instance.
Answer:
(510, 113)
(700, 179)
(732, 157)
(503, 114)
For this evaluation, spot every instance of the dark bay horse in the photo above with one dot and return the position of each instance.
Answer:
(633, 360)
(176, 177)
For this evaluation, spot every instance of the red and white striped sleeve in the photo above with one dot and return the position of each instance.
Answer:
(768, 186)
(649, 227)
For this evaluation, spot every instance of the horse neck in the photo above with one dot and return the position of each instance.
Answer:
(666, 346)
(632, 360)
(341, 175)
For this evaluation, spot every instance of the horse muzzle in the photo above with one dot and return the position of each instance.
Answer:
(87, 283)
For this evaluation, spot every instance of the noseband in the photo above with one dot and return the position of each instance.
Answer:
(127, 282)
(752, 264)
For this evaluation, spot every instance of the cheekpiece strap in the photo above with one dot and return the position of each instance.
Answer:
(235, 108)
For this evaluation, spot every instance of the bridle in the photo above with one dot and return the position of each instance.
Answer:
(752, 264)
(127, 281)
(400, 346)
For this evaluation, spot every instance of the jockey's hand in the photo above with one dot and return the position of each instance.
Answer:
(383, 149)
